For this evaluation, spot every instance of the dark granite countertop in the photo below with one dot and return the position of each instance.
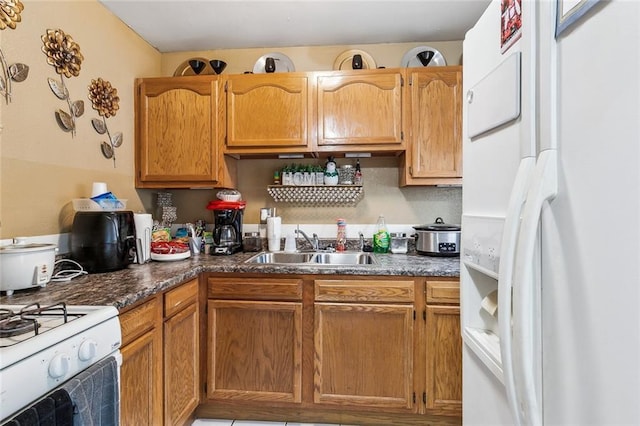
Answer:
(130, 285)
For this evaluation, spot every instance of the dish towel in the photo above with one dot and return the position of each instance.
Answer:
(95, 394)
(56, 409)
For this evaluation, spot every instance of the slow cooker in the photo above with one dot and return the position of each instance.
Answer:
(438, 239)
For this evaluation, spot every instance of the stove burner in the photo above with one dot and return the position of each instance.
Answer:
(5, 313)
(17, 326)
(35, 309)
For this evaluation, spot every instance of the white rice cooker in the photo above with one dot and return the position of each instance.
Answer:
(26, 265)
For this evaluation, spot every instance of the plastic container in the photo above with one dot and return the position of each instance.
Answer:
(381, 237)
(87, 204)
(341, 237)
(399, 242)
(252, 241)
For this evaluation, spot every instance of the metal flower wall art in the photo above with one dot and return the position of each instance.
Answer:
(64, 55)
(9, 17)
(104, 99)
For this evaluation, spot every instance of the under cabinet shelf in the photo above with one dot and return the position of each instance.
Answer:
(328, 195)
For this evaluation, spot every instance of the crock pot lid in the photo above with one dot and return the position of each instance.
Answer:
(439, 225)
(22, 248)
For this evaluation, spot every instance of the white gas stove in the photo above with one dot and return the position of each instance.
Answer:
(41, 347)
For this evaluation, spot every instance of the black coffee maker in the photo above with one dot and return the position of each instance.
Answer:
(227, 228)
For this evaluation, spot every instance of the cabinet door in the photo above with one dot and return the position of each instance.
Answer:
(444, 360)
(181, 365)
(364, 355)
(141, 371)
(267, 113)
(360, 108)
(435, 146)
(141, 382)
(177, 132)
(255, 351)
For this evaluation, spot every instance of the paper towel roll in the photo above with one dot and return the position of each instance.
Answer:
(274, 227)
(274, 231)
(143, 223)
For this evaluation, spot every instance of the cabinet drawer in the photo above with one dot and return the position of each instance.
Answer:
(443, 291)
(364, 291)
(175, 300)
(254, 288)
(137, 321)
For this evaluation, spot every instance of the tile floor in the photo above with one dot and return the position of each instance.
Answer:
(215, 422)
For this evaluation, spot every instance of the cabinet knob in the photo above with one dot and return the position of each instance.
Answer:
(470, 96)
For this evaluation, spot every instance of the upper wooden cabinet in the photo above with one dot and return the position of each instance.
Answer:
(434, 149)
(178, 125)
(360, 110)
(267, 113)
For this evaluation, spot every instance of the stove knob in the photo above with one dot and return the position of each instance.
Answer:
(59, 365)
(87, 350)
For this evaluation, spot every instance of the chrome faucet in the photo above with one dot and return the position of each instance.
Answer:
(315, 244)
(361, 245)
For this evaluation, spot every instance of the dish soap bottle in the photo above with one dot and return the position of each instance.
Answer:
(381, 237)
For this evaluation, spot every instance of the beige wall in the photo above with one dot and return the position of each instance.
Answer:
(310, 58)
(43, 168)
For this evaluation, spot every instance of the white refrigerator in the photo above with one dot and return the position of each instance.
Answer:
(550, 255)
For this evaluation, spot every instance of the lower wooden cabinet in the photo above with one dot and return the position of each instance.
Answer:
(255, 345)
(141, 372)
(444, 348)
(181, 353)
(374, 349)
(161, 359)
(364, 341)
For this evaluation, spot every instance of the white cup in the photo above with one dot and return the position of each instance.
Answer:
(98, 188)
(290, 243)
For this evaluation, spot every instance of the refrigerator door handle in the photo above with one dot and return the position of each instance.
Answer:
(544, 187)
(505, 276)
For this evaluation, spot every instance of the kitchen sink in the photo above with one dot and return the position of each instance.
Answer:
(344, 259)
(314, 258)
(281, 257)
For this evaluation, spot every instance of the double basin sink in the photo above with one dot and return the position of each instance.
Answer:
(314, 258)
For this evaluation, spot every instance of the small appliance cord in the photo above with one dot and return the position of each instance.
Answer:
(67, 274)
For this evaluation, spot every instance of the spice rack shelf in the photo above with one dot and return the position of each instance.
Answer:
(328, 195)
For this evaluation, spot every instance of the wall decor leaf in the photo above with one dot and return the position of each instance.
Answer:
(77, 108)
(65, 121)
(58, 88)
(99, 125)
(116, 140)
(107, 151)
(19, 72)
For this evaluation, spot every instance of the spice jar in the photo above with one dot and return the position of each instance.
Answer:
(341, 240)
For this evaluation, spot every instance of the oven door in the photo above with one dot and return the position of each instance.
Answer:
(90, 397)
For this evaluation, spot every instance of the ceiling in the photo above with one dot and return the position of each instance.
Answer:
(192, 25)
